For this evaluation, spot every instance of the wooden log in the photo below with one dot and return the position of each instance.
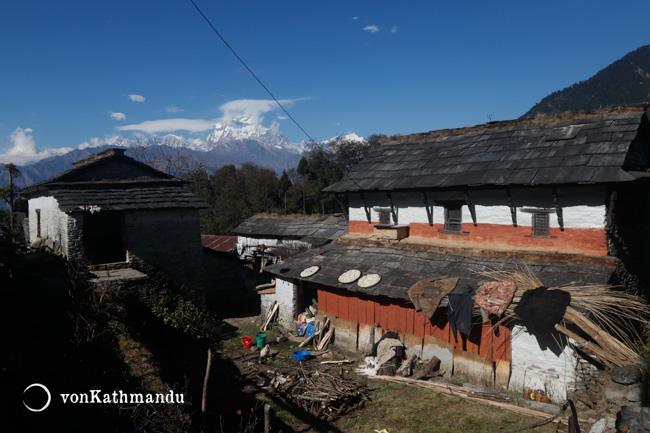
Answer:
(267, 418)
(270, 315)
(607, 358)
(406, 369)
(323, 344)
(599, 335)
(204, 396)
(428, 369)
(459, 391)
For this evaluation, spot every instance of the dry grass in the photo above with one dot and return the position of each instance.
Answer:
(539, 120)
(616, 315)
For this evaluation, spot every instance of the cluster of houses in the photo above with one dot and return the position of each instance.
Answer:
(567, 197)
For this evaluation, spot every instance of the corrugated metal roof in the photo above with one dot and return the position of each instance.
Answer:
(219, 243)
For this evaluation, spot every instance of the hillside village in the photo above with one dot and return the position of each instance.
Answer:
(508, 259)
(487, 278)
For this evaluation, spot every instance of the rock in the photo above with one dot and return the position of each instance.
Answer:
(645, 417)
(599, 427)
(635, 394)
(627, 375)
(627, 420)
(614, 391)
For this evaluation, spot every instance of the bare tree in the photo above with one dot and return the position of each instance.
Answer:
(9, 193)
(170, 158)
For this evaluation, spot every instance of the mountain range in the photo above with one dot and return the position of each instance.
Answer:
(235, 142)
(626, 81)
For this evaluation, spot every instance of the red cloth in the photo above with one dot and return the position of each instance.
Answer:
(495, 296)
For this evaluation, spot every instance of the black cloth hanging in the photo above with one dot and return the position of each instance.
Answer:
(540, 309)
(459, 312)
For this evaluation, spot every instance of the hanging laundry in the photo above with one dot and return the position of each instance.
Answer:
(495, 296)
(426, 294)
(540, 309)
(459, 312)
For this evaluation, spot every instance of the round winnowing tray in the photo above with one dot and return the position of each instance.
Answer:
(349, 276)
(308, 272)
(369, 280)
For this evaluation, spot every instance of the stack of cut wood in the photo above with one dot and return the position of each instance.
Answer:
(322, 335)
(273, 311)
(323, 395)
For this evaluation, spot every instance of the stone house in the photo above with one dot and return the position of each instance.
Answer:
(280, 236)
(112, 209)
(565, 196)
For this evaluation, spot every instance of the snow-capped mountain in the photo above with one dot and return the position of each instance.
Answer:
(242, 129)
(236, 142)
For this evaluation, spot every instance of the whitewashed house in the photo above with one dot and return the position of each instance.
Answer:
(112, 209)
(566, 196)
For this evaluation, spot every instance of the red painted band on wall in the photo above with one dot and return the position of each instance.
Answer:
(591, 241)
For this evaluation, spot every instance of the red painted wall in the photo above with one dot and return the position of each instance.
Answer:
(571, 240)
(395, 315)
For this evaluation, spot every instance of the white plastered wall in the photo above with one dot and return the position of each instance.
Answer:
(53, 222)
(534, 368)
(286, 293)
(580, 208)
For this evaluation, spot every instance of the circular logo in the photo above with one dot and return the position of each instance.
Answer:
(47, 391)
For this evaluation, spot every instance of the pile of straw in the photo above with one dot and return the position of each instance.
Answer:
(607, 319)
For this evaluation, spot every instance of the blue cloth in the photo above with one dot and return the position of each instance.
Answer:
(459, 313)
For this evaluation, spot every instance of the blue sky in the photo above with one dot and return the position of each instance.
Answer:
(77, 73)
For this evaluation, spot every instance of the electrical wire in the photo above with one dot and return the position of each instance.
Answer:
(252, 73)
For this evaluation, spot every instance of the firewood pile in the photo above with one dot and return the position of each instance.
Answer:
(323, 395)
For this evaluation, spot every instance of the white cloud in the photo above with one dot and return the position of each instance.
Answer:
(253, 109)
(110, 140)
(393, 29)
(280, 117)
(136, 98)
(355, 18)
(118, 116)
(173, 109)
(248, 111)
(371, 29)
(169, 125)
(23, 149)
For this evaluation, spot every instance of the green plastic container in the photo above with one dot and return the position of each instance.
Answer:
(261, 340)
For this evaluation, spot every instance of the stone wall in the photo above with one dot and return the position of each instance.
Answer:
(588, 387)
(168, 239)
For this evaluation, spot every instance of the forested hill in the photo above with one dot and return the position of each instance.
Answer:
(626, 81)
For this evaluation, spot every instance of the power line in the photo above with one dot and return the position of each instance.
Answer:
(253, 74)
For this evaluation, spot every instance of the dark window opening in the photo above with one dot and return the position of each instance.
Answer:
(540, 225)
(453, 219)
(102, 238)
(384, 215)
(38, 223)
(540, 222)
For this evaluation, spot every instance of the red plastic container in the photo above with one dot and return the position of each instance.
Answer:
(247, 342)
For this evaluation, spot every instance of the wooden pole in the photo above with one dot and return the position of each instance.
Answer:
(267, 418)
(204, 413)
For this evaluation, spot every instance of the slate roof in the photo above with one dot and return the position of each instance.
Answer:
(221, 244)
(402, 267)
(109, 180)
(596, 147)
(315, 230)
(127, 196)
